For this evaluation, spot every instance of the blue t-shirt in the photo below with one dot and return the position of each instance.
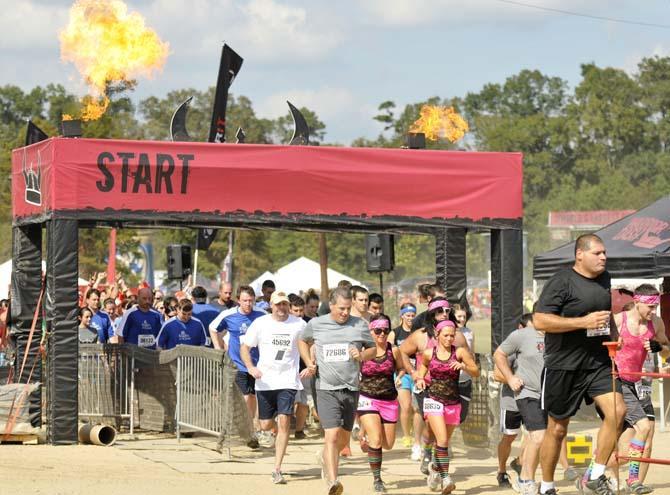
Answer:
(206, 313)
(141, 327)
(176, 332)
(102, 324)
(236, 324)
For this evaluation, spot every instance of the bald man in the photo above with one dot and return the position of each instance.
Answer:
(225, 299)
(140, 324)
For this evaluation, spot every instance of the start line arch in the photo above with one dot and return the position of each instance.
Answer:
(64, 184)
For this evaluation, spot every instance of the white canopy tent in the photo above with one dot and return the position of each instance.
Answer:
(300, 275)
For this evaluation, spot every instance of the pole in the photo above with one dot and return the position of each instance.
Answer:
(381, 283)
(111, 265)
(323, 263)
(195, 261)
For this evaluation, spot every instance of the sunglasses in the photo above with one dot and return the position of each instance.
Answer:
(445, 311)
(379, 331)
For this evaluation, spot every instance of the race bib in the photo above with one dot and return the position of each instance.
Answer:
(280, 344)
(145, 340)
(598, 332)
(642, 389)
(432, 406)
(364, 403)
(335, 353)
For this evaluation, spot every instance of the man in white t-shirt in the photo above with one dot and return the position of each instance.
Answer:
(277, 371)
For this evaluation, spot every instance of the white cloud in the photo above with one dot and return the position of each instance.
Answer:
(632, 60)
(26, 26)
(265, 30)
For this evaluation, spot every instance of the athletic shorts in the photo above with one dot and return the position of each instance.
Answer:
(406, 382)
(337, 408)
(564, 390)
(302, 396)
(510, 422)
(274, 402)
(451, 412)
(245, 382)
(532, 415)
(387, 409)
(465, 391)
(636, 408)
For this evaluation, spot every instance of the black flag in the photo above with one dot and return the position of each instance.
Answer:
(231, 63)
(34, 134)
(205, 238)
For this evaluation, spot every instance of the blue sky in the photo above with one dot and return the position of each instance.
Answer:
(342, 58)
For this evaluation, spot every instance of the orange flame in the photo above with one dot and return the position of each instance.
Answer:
(108, 44)
(436, 122)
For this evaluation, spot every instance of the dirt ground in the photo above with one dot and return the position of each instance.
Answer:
(157, 464)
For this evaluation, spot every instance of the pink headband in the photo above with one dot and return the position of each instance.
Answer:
(647, 299)
(380, 323)
(444, 323)
(442, 303)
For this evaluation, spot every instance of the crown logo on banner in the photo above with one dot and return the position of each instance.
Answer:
(33, 180)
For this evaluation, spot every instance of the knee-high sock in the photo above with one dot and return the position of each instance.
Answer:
(375, 460)
(427, 449)
(635, 450)
(442, 460)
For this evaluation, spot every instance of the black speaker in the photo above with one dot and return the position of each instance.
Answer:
(379, 254)
(178, 261)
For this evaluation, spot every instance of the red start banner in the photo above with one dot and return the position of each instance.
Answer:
(73, 175)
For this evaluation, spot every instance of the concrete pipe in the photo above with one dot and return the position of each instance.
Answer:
(104, 435)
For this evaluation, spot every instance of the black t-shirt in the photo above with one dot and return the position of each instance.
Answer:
(400, 335)
(572, 295)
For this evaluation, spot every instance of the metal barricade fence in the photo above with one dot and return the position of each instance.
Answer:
(106, 383)
(207, 399)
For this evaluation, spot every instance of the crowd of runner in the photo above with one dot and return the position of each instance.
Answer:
(363, 375)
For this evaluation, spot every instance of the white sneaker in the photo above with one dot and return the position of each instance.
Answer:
(528, 488)
(266, 439)
(417, 452)
(448, 485)
(434, 480)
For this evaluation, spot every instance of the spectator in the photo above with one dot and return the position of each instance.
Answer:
(87, 334)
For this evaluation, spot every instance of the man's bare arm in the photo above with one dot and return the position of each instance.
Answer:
(549, 323)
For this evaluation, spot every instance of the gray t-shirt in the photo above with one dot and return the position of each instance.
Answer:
(507, 400)
(527, 346)
(335, 368)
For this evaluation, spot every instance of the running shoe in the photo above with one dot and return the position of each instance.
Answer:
(278, 478)
(335, 488)
(600, 486)
(527, 487)
(425, 462)
(407, 442)
(266, 439)
(416, 453)
(638, 487)
(503, 480)
(516, 465)
(434, 480)
(447, 485)
(252, 443)
(355, 431)
(299, 435)
(570, 474)
(378, 486)
(551, 491)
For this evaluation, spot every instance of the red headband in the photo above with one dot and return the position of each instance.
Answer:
(444, 323)
(647, 299)
(380, 323)
(442, 303)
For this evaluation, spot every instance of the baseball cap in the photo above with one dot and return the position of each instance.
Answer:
(278, 297)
